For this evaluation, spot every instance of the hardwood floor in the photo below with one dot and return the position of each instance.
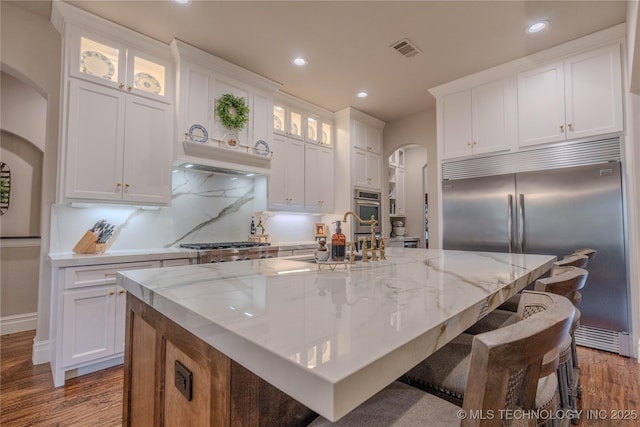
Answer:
(28, 398)
(610, 388)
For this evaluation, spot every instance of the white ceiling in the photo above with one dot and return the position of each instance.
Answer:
(348, 43)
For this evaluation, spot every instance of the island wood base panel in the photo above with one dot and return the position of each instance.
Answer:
(223, 392)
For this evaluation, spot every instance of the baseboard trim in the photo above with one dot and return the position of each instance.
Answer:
(18, 323)
(40, 352)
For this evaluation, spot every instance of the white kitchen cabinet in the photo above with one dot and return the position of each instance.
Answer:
(396, 159)
(116, 112)
(118, 146)
(400, 198)
(318, 192)
(356, 168)
(89, 317)
(367, 170)
(319, 130)
(92, 327)
(578, 97)
(366, 138)
(116, 64)
(286, 183)
(295, 121)
(176, 262)
(202, 79)
(288, 120)
(397, 183)
(479, 120)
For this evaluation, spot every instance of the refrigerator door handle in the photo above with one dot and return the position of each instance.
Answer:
(510, 221)
(521, 241)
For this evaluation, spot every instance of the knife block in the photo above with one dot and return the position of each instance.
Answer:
(88, 244)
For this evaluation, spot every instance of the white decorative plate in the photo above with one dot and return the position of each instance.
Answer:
(262, 148)
(232, 140)
(325, 138)
(96, 64)
(147, 82)
(277, 123)
(197, 133)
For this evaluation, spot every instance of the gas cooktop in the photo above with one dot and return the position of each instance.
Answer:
(223, 245)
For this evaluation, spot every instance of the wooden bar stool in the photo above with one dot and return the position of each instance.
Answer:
(445, 372)
(503, 375)
(567, 282)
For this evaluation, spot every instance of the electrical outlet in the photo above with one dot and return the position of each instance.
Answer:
(184, 380)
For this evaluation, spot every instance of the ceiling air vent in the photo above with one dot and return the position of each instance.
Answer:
(406, 48)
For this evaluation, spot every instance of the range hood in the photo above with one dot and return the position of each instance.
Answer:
(229, 161)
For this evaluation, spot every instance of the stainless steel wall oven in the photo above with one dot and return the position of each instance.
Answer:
(366, 204)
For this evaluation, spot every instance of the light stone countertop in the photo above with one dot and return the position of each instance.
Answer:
(332, 339)
(70, 259)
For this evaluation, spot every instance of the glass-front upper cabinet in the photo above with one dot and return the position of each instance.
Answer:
(110, 63)
(319, 131)
(287, 121)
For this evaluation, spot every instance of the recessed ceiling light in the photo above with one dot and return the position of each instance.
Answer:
(537, 26)
(183, 2)
(362, 94)
(299, 61)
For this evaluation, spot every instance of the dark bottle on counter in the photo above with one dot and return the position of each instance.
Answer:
(338, 243)
(252, 230)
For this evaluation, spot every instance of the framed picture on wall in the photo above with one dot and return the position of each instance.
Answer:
(321, 230)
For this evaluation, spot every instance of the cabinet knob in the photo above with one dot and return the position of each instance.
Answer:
(570, 126)
(561, 128)
(121, 85)
(121, 291)
(112, 293)
(127, 185)
(118, 185)
(129, 88)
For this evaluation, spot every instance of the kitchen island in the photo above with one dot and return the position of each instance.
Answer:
(262, 334)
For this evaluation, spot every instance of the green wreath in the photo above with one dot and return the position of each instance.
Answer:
(232, 111)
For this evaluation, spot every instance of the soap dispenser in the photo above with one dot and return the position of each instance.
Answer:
(338, 242)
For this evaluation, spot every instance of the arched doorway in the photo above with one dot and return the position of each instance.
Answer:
(21, 150)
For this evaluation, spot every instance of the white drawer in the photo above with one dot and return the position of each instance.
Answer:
(176, 262)
(93, 275)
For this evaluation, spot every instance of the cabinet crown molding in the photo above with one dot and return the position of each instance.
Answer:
(364, 118)
(184, 51)
(291, 100)
(63, 14)
(608, 36)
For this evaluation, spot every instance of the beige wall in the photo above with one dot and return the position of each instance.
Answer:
(18, 281)
(31, 53)
(24, 110)
(419, 129)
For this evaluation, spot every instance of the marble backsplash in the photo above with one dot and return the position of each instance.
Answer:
(205, 207)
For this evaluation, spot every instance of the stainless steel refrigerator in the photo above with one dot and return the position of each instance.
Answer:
(553, 211)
